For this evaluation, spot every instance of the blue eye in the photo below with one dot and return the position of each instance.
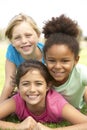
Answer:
(28, 35)
(39, 83)
(17, 38)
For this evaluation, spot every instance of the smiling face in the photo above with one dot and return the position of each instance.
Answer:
(60, 62)
(33, 88)
(24, 39)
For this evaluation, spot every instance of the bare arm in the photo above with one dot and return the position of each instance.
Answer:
(82, 126)
(72, 115)
(6, 108)
(28, 124)
(10, 70)
(85, 95)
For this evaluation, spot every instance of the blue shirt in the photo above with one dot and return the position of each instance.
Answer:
(15, 57)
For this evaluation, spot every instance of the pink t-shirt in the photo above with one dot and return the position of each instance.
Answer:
(54, 105)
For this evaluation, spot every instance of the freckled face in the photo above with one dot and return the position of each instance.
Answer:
(33, 88)
(60, 61)
(24, 38)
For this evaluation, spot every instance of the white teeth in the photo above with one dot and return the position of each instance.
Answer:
(58, 72)
(32, 97)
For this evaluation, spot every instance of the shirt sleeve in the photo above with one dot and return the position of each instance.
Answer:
(10, 54)
(82, 69)
(20, 106)
(56, 103)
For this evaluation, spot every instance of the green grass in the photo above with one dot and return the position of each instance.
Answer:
(83, 56)
(3, 48)
(13, 118)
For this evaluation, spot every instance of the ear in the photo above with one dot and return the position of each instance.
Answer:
(49, 85)
(18, 90)
(77, 59)
(12, 42)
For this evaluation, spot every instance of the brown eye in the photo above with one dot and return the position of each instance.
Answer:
(25, 84)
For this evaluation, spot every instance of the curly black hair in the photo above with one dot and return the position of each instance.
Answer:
(61, 30)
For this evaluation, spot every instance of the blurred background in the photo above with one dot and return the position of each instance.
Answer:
(42, 10)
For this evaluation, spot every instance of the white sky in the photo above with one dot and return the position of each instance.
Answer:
(42, 10)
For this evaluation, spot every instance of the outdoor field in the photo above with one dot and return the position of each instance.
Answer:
(3, 48)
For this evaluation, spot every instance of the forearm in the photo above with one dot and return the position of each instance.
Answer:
(10, 71)
(10, 126)
(28, 124)
(85, 94)
(73, 127)
(6, 92)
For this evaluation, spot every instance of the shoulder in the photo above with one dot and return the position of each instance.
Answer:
(21, 108)
(19, 101)
(14, 56)
(55, 103)
(81, 68)
(11, 48)
(40, 45)
(55, 96)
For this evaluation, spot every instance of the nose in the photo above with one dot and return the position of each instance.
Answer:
(58, 65)
(24, 39)
(32, 88)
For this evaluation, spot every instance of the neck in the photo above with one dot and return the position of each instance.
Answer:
(37, 109)
(32, 56)
(36, 54)
(58, 83)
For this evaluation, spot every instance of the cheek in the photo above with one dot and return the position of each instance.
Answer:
(15, 44)
(69, 68)
(49, 66)
(34, 39)
(22, 90)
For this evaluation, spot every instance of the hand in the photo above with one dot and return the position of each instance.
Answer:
(85, 94)
(28, 124)
(42, 127)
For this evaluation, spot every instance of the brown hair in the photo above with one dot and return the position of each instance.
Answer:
(32, 65)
